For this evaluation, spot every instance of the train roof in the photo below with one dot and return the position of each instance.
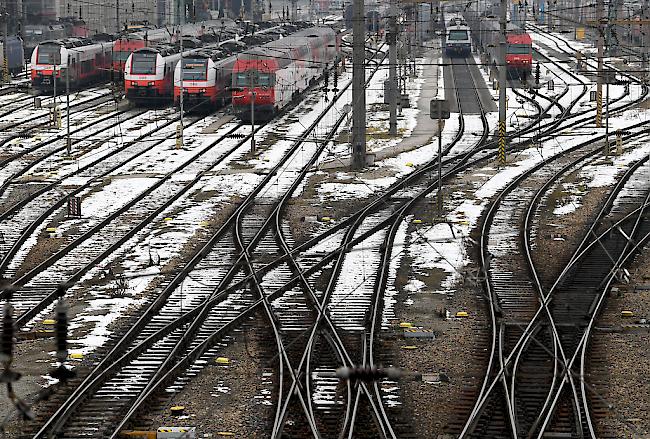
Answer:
(519, 38)
(69, 43)
(145, 34)
(161, 49)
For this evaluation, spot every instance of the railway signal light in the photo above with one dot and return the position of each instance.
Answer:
(537, 74)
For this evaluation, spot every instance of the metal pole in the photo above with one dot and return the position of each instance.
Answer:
(55, 115)
(392, 70)
(599, 83)
(502, 85)
(439, 159)
(5, 64)
(358, 86)
(180, 143)
(252, 120)
(67, 110)
(117, 15)
(607, 118)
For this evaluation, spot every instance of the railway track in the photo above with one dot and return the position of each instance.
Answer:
(24, 215)
(365, 223)
(518, 396)
(163, 302)
(23, 125)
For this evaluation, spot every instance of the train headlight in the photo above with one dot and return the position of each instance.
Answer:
(134, 83)
(150, 83)
(202, 90)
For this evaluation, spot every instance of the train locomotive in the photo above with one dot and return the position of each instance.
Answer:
(266, 79)
(519, 50)
(206, 79)
(82, 61)
(457, 39)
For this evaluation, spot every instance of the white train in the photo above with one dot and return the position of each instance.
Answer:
(206, 79)
(149, 74)
(85, 62)
(458, 39)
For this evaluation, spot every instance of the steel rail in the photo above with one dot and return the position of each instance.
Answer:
(236, 265)
(481, 402)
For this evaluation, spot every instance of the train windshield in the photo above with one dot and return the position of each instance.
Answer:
(254, 79)
(457, 35)
(519, 49)
(143, 63)
(195, 69)
(49, 54)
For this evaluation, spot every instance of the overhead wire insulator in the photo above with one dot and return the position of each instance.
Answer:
(326, 77)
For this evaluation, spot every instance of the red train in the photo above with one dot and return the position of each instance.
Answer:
(519, 49)
(84, 61)
(519, 53)
(277, 72)
(207, 73)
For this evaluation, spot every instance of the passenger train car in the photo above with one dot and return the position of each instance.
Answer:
(274, 74)
(458, 40)
(149, 74)
(15, 54)
(207, 73)
(519, 50)
(129, 43)
(84, 61)
(207, 76)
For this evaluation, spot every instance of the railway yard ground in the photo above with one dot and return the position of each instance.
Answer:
(214, 286)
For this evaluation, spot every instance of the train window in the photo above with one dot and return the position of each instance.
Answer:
(241, 79)
(195, 69)
(49, 54)
(264, 80)
(458, 35)
(143, 63)
(519, 49)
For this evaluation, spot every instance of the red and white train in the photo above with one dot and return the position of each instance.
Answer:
(149, 74)
(519, 46)
(129, 43)
(84, 61)
(206, 79)
(272, 75)
(207, 73)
